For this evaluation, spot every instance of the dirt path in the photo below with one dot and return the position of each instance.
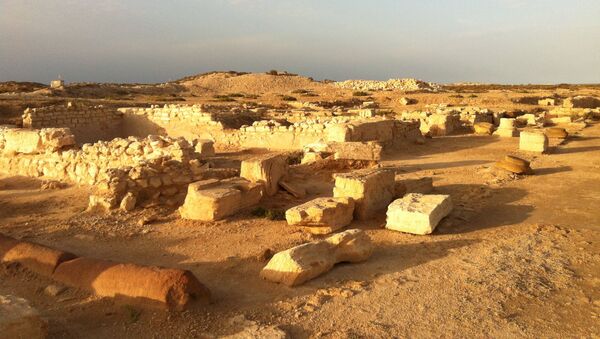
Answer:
(517, 256)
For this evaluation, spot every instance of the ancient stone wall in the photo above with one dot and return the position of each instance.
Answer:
(275, 135)
(153, 168)
(87, 123)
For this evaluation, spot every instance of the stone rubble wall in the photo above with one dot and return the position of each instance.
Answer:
(156, 168)
(87, 123)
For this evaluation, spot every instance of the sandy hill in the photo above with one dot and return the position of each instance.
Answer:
(252, 83)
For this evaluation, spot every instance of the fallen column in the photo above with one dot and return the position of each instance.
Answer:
(172, 287)
(302, 263)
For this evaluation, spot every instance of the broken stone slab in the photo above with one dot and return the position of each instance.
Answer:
(304, 262)
(371, 189)
(18, 319)
(211, 200)
(268, 169)
(173, 288)
(531, 141)
(483, 128)
(556, 132)
(35, 257)
(322, 215)
(101, 203)
(514, 165)
(418, 213)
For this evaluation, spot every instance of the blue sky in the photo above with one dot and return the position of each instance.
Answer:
(502, 41)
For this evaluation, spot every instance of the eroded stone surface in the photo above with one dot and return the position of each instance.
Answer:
(211, 200)
(322, 215)
(302, 263)
(268, 169)
(531, 141)
(418, 213)
(371, 189)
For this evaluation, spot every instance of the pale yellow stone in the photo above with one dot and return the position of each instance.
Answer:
(304, 262)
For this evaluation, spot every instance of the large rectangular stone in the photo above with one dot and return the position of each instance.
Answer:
(418, 213)
(268, 169)
(371, 189)
(214, 200)
(533, 142)
(322, 215)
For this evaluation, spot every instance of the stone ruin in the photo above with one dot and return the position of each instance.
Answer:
(139, 157)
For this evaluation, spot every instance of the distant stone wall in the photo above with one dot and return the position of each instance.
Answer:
(274, 135)
(87, 123)
(189, 121)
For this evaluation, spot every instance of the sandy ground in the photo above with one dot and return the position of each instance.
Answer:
(518, 257)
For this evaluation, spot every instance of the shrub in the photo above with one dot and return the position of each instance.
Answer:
(359, 94)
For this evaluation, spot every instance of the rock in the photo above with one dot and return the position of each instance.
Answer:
(19, 320)
(128, 202)
(304, 262)
(322, 215)
(268, 169)
(483, 128)
(530, 141)
(371, 189)
(418, 213)
(54, 290)
(514, 165)
(101, 203)
(211, 200)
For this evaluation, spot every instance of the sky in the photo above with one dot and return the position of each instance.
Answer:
(499, 41)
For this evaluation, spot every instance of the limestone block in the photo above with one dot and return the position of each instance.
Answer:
(211, 200)
(356, 150)
(268, 169)
(205, 147)
(533, 142)
(19, 320)
(418, 213)
(507, 128)
(483, 128)
(304, 262)
(322, 215)
(22, 141)
(371, 189)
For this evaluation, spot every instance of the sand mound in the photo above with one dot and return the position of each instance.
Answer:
(253, 83)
